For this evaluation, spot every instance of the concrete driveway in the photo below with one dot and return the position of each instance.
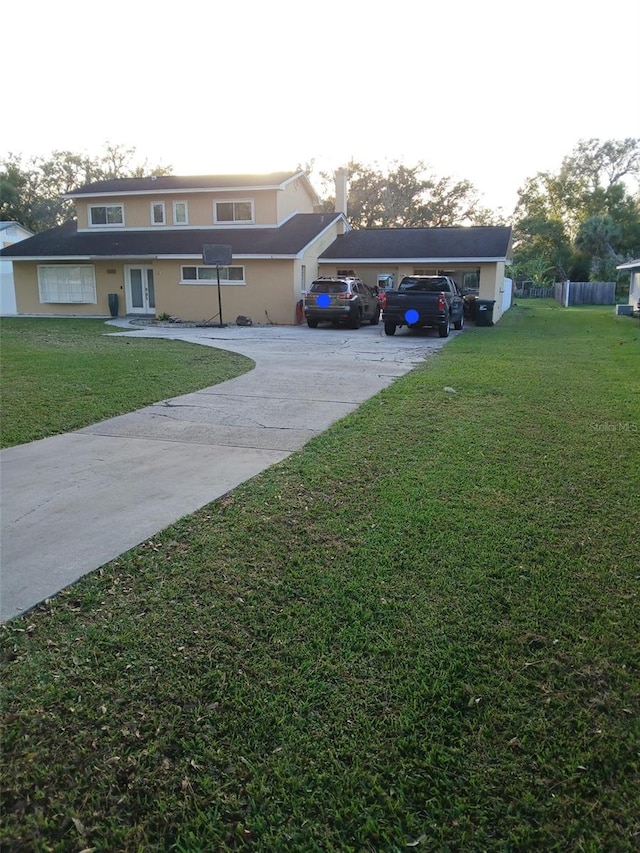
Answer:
(73, 502)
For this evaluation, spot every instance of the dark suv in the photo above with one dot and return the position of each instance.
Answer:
(337, 299)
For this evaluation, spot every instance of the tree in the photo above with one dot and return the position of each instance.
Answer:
(365, 207)
(447, 202)
(542, 244)
(533, 270)
(408, 197)
(603, 165)
(597, 184)
(16, 192)
(596, 239)
(32, 192)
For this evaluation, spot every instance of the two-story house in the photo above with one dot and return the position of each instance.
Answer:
(143, 239)
(140, 243)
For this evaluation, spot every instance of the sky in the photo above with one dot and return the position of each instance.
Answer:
(492, 92)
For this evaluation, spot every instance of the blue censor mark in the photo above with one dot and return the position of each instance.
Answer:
(411, 316)
(323, 300)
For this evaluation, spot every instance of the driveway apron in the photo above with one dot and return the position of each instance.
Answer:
(72, 502)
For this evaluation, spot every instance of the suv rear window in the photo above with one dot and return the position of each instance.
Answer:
(328, 287)
(424, 285)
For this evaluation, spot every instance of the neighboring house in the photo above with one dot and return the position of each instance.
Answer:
(474, 257)
(10, 233)
(142, 239)
(633, 267)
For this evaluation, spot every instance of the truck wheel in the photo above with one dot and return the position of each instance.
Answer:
(443, 330)
(312, 324)
(459, 324)
(389, 328)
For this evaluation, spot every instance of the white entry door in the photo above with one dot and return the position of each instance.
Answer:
(140, 290)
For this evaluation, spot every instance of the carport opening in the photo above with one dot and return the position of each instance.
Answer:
(470, 290)
(468, 282)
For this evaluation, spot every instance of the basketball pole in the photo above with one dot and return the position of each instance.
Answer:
(217, 255)
(221, 325)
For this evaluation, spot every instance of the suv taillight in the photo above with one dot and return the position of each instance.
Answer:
(346, 295)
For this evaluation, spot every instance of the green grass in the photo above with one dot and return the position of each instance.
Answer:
(419, 632)
(59, 375)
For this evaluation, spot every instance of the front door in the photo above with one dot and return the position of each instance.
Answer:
(140, 291)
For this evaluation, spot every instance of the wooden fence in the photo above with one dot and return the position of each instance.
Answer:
(585, 292)
(579, 292)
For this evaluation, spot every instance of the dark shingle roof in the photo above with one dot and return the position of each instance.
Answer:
(177, 183)
(67, 242)
(477, 243)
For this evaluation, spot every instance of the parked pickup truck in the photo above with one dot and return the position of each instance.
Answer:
(424, 300)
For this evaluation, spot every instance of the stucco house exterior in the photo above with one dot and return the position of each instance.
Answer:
(142, 240)
(474, 256)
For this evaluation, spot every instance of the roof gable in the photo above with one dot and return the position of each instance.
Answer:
(10, 228)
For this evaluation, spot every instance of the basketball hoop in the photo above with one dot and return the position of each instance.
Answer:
(215, 255)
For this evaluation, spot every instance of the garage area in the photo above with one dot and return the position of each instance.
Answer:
(475, 257)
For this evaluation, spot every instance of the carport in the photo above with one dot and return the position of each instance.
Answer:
(474, 257)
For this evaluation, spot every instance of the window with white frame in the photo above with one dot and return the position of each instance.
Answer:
(67, 283)
(209, 275)
(180, 213)
(110, 215)
(233, 211)
(157, 213)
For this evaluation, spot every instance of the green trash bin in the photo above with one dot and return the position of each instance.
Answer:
(484, 312)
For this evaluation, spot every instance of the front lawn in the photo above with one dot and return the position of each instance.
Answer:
(420, 632)
(60, 375)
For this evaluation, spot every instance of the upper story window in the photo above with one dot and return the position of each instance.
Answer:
(233, 211)
(106, 214)
(180, 213)
(157, 213)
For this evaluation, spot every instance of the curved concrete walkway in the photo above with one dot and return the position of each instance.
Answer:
(73, 502)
